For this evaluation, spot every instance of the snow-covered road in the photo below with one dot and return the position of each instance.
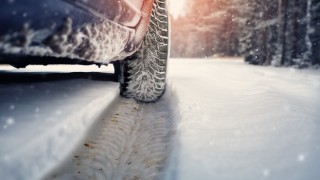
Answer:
(131, 142)
(234, 121)
(245, 122)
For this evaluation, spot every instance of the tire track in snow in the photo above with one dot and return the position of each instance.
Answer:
(133, 142)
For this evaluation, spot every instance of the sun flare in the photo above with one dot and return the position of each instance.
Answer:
(177, 7)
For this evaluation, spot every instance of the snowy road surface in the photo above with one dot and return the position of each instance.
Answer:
(234, 121)
(246, 122)
(131, 142)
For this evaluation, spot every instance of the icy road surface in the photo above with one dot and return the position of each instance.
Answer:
(234, 121)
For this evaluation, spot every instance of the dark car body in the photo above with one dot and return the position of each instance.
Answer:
(71, 31)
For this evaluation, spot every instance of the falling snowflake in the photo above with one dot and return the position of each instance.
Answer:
(12, 107)
(266, 172)
(301, 157)
(6, 158)
(58, 112)
(10, 121)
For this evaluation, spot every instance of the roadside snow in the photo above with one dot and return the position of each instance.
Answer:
(245, 122)
(41, 122)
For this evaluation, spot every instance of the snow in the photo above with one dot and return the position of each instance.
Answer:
(233, 121)
(245, 122)
(72, 42)
(41, 122)
(131, 141)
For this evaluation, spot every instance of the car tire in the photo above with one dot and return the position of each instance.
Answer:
(143, 75)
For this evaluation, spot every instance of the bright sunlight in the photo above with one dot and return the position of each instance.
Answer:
(177, 7)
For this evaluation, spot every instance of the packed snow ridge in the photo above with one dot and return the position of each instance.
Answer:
(132, 142)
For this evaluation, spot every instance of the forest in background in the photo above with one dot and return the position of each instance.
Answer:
(273, 32)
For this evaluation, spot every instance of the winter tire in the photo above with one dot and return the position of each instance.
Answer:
(143, 75)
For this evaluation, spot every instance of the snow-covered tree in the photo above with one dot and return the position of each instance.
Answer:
(260, 31)
(314, 30)
(282, 33)
(210, 28)
(274, 32)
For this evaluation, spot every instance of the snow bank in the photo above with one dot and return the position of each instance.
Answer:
(41, 123)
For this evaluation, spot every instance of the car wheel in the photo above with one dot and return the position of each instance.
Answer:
(143, 75)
